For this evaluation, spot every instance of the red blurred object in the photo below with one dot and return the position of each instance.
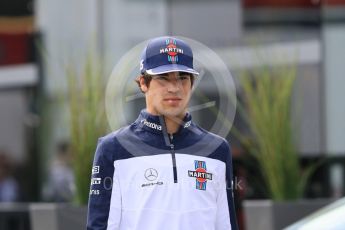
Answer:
(334, 2)
(15, 48)
(283, 3)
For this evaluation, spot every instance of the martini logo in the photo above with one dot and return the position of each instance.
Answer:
(200, 174)
(172, 50)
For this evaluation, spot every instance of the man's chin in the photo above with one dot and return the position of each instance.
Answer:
(173, 112)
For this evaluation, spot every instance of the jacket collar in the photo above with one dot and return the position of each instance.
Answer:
(153, 123)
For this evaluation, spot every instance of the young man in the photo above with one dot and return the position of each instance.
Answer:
(163, 171)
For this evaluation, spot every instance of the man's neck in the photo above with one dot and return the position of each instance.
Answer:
(173, 123)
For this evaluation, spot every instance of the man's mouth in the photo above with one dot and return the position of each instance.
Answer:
(172, 99)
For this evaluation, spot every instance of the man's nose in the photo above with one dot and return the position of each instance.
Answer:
(174, 85)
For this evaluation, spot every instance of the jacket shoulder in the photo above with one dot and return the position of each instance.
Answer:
(111, 138)
(110, 146)
(221, 147)
(214, 137)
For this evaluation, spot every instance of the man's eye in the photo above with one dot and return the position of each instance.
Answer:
(184, 77)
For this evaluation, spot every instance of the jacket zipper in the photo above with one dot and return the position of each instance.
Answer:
(172, 151)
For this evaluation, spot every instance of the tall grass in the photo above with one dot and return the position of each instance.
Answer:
(267, 110)
(87, 120)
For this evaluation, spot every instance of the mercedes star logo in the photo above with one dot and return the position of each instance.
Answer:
(151, 174)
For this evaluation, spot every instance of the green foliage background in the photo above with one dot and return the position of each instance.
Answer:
(87, 121)
(267, 111)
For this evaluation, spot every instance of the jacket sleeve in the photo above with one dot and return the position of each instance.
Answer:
(104, 188)
(225, 201)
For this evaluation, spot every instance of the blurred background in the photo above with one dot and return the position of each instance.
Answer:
(38, 39)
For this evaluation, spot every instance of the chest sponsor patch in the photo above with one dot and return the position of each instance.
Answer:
(201, 175)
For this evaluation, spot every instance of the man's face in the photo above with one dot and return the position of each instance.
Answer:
(168, 94)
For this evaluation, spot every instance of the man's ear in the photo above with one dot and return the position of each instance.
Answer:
(143, 85)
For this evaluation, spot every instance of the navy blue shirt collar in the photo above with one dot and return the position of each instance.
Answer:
(152, 123)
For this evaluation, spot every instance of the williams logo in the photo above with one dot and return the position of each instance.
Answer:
(200, 174)
(172, 50)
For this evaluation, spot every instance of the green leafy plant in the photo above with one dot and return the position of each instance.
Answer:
(266, 108)
(87, 120)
